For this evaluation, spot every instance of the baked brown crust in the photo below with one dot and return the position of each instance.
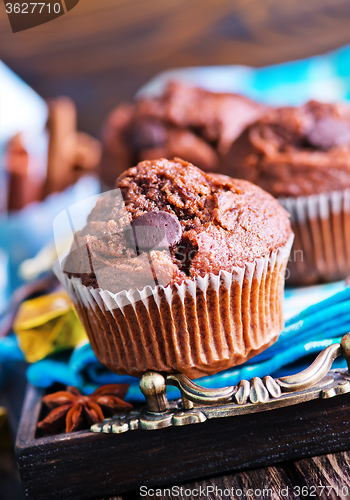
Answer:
(295, 151)
(225, 223)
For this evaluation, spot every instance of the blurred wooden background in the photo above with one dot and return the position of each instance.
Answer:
(102, 51)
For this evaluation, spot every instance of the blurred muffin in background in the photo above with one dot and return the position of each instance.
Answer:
(295, 151)
(302, 156)
(188, 122)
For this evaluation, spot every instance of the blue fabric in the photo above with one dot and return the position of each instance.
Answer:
(10, 353)
(9, 349)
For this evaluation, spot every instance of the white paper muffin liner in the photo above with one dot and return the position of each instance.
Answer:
(321, 250)
(197, 328)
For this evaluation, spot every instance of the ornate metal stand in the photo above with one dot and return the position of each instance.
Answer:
(198, 404)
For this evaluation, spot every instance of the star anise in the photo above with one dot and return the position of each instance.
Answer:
(80, 412)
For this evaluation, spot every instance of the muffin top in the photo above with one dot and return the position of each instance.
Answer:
(183, 121)
(211, 223)
(295, 151)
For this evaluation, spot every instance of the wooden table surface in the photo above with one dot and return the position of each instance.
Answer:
(101, 52)
(324, 477)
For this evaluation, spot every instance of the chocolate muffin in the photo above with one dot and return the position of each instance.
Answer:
(295, 151)
(184, 121)
(302, 156)
(178, 270)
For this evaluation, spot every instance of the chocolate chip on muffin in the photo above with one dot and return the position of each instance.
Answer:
(156, 230)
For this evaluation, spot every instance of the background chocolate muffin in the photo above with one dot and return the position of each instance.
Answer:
(188, 122)
(302, 156)
(295, 151)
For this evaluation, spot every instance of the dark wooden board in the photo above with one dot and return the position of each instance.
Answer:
(110, 498)
(271, 482)
(86, 465)
(325, 477)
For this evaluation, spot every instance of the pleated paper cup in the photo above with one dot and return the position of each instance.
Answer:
(321, 250)
(197, 328)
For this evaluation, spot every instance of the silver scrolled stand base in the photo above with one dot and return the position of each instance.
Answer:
(197, 404)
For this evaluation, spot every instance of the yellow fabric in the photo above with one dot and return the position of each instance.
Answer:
(47, 325)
